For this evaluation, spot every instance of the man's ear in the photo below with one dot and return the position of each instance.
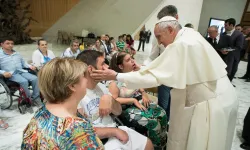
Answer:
(177, 17)
(90, 69)
(72, 88)
(120, 66)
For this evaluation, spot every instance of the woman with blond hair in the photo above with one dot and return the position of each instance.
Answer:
(58, 125)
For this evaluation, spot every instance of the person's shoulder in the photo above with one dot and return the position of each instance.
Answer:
(36, 52)
(68, 49)
(50, 51)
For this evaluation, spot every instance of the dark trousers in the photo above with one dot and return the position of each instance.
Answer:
(232, 60)
(246, 128)
(248, 67)
(164, 99)
(143, 44)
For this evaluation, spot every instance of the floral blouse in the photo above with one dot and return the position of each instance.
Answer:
(46, 131)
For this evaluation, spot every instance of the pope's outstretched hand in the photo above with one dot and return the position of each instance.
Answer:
(102, 75)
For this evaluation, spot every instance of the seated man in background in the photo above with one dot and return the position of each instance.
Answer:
(42, 55)
(11, 67)
(97, 106)
(73, 50)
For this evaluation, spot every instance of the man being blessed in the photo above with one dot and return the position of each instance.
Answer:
(204, 103)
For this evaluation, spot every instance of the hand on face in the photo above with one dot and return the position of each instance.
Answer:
(102, 75)
(105, 105)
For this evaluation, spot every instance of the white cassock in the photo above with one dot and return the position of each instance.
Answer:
(203, 101)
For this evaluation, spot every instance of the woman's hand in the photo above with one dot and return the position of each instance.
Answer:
(139, 105)
(105, 106)
(102, 75)
(145, 99)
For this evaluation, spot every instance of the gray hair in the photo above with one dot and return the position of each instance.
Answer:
(215, 27)
(74, 41)
(169, 10)
(173, 23)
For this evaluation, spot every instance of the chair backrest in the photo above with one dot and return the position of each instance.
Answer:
(59, 34)
(65, 36)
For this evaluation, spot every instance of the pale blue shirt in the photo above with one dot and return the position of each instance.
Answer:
(12, 62)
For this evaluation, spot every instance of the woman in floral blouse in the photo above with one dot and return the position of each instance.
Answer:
(58, 125)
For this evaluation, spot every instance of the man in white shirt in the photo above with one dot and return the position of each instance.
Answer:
(157, 49)
(203, 101)
(99, 103)
(42, 55)
(73, 50)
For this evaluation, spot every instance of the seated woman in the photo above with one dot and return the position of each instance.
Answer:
(58, 125)
(42, 55)
(113, 45)
(139, 111)
(130, 45)
(98, 46)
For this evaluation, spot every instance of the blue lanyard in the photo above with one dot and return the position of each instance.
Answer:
(46, 58)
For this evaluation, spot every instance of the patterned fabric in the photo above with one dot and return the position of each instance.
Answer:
(120, 45)
(154, 120)
(46, 131)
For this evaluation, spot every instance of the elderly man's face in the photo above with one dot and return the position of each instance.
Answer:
(212, 32)
(164, 36)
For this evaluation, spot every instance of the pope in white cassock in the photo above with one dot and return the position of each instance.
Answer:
(203, 101)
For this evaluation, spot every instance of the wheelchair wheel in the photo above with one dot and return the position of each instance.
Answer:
(5, 96)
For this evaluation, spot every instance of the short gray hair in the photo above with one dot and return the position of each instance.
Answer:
(215, 27)
(74, 41)
(169, 10)
(173, 23)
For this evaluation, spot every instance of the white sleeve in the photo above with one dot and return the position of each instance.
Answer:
(36, 59)
(66, 53)
(104, 89)
(136, 80)
(79, 106)
(51, 54)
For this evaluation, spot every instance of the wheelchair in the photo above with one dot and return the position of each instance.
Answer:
(8, 90)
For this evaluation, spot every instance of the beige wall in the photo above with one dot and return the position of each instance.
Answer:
(222, 9)
(113, 17)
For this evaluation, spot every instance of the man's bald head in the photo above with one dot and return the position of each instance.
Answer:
(212, 31)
